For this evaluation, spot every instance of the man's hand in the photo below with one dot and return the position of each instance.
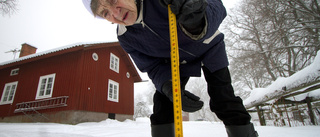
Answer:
(190, 102)
(190, 13)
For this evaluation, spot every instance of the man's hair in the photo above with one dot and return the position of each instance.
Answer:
(94, 5)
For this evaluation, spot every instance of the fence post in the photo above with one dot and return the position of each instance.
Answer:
(311, 115)
(261, 116)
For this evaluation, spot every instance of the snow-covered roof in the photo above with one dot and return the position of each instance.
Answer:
(309, 74)
(49, 51)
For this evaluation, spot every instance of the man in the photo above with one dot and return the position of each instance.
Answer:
(143, 32)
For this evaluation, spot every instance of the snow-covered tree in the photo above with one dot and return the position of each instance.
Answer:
(268, 39)
(144, 101)
(198, 86)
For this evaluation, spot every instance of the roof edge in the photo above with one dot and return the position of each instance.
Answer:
(85, 44)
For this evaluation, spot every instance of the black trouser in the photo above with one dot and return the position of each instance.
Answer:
(223, 102)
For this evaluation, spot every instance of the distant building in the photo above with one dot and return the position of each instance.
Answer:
(71, 84)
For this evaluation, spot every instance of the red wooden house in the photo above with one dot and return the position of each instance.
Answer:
(72, 84)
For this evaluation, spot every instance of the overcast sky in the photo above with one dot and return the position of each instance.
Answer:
(48, 24)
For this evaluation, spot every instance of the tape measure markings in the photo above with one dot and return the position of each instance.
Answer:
(175, 74)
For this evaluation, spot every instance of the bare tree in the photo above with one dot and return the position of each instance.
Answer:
(8, 7)
(268, 39)
(143, 101)
(141, 110)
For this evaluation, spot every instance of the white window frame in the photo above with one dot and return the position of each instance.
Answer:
(113, 91)
(114, 63)
(8, 93)
(14, 72)
(45, 86)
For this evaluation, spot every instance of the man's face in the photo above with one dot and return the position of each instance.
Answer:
(122, 12)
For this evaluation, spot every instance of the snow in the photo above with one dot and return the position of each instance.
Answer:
(309, 74)
(140, 128)
(314, 94)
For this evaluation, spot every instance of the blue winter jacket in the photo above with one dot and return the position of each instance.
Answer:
(148, 43)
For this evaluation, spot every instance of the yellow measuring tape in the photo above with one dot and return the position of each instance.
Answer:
(176, 89)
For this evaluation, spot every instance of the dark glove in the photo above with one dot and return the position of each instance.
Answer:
(190, 102)
(190, 13)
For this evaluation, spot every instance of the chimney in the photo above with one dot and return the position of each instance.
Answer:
(27, 49)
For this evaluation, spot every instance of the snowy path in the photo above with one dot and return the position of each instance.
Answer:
(140, 128)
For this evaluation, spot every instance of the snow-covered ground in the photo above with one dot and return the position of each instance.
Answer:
(140, 128)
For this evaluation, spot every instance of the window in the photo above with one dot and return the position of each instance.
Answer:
(14, 72)
(113, 91)
(8, 93)
(114, 63)
(45, 86)
(95, 56)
